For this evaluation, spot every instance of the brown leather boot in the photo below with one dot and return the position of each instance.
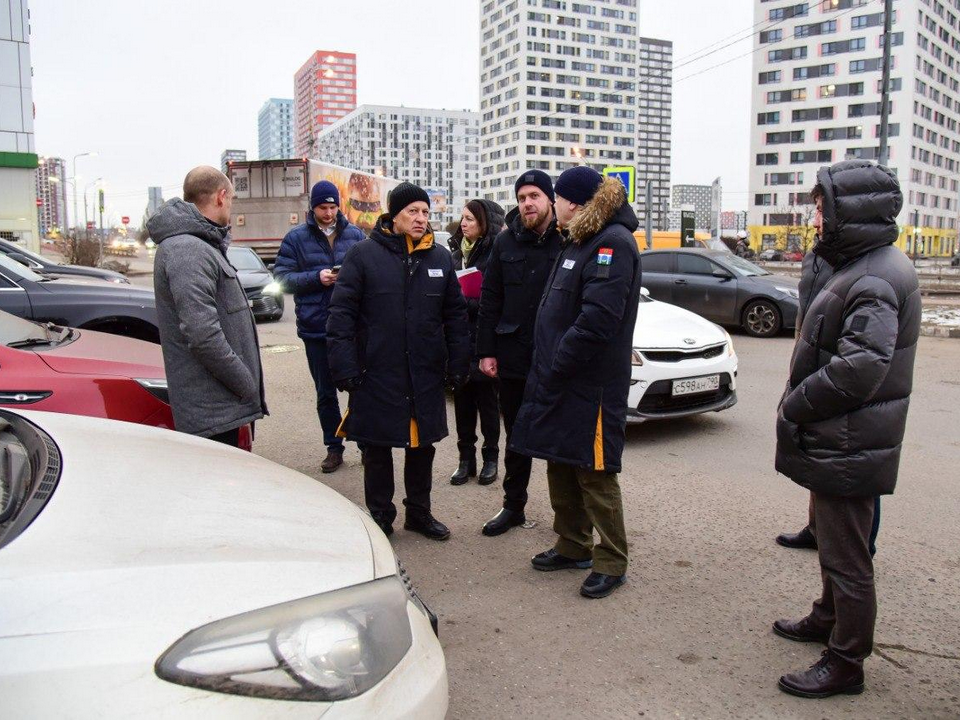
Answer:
(801, 631)
(332, 461)
(830, 676)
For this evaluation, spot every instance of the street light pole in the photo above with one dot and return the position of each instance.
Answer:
(78, 155)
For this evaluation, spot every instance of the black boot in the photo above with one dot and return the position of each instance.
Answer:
(427, 525)
(503, 521)
(803, 540)
(488, 473)
(466, 470)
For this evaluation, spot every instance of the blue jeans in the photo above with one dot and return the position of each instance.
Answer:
(328, 407)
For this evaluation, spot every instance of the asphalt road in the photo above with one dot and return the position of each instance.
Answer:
(689, 635)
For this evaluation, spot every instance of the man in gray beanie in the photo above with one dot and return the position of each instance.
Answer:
(397, 333)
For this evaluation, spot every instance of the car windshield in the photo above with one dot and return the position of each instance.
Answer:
(15, 330)
(244, 259)
(743, 268)
(16, 270)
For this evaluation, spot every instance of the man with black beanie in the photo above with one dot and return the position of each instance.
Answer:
(516, 273)
(396, 335)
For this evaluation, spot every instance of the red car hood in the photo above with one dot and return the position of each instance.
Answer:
(96, 353)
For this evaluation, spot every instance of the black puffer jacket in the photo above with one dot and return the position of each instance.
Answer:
(575, 403)
(397, 319)
(479, 257)
(841, 422)
(520, 263)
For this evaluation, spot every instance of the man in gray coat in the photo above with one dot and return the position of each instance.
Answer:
(841, 422)
(207, 331)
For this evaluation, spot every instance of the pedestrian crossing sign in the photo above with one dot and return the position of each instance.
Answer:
(628, 176)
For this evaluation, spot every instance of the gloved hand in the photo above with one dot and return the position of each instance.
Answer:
(350, 384)
(455, 382)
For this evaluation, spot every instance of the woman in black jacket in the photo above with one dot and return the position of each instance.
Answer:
(480, 223)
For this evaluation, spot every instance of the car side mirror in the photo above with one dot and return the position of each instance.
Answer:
(271, 266)
(644, 292)
(722, 275)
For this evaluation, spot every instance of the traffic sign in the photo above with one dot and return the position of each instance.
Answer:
(90, 225)
(101, 199)
(39, 202)
(628, 176)
(125, 220)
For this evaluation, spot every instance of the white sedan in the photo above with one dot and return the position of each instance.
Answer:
(145, 573)
(682, 364)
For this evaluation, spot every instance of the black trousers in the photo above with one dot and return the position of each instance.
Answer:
(517, 466)
(477, 397)
(378, 483)
(848, 604)
(230, 437)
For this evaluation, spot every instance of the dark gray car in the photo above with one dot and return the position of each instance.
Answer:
(264, 294)
(45, 266)
(722, 287)
(78, 302)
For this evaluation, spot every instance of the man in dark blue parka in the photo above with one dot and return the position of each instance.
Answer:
(306, 264)
(574, 411)
(398, 334)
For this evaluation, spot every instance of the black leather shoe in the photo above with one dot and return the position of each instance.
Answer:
(384, 524)
(552, 560)
(803, 540)
(503, 521)
(801, 631)
(467, 470)
(428, 526)
(830, 676)
(598, 585)
(488, 473)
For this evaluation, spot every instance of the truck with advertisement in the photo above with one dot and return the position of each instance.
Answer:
(272, 196)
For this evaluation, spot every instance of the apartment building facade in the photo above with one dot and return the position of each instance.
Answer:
(325, 90)
(275, 129)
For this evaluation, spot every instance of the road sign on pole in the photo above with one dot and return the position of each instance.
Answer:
(125, 220)
(101, 199)
(628, 176)
(89, 224)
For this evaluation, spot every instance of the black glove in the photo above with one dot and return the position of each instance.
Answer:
(350, 384)
(455, 382)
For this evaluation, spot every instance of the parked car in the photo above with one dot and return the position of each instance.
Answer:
(264, 294)
(723, 288)
(770, 255)
(45, 266)
(78, 302)
(152, 574)
(84, 372)
(792, 256)
(682, 364)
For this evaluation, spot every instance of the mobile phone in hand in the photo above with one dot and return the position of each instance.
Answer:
(335, 269)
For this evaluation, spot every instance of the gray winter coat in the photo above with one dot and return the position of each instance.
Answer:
(207, 331)
(841, 422)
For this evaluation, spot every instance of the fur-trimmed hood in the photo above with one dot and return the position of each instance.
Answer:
(608, 205)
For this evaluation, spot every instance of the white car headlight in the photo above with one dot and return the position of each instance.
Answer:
(730, 350)
(273, 288)
(792, 292)
(327, 647)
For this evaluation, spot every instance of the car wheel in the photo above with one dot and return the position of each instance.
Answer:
(761, 318)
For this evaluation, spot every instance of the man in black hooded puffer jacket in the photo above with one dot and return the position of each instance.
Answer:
(841, 422)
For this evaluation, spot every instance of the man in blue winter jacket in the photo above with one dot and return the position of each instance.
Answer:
(308, 262)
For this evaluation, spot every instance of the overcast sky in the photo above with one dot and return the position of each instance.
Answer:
(158, 87)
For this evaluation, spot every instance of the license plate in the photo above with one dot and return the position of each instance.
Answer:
(691, 386)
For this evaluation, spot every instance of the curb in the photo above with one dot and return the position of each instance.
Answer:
(941, 332)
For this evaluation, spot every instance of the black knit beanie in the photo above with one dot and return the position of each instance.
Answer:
(537, 178)
(578, 184)
(404, 194)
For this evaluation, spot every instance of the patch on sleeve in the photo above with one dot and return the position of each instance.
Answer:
(605, 256)
(859, 323)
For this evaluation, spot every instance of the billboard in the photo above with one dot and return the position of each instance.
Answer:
(363, 196)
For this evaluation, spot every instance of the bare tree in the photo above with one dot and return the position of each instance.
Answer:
(795, 230)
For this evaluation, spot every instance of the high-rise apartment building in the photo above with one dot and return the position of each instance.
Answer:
(817, 100)
(436, 149)
(558, 88)
(275, 129)
(18, 157)
(325, 90)
(51, 195)
(229, 156)
(654, 115)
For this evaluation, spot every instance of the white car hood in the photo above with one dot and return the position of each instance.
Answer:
(151, 533)
(664, 326)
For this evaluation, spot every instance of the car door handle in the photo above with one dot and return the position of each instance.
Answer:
(679, 282)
